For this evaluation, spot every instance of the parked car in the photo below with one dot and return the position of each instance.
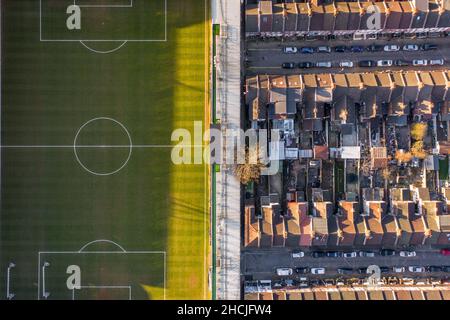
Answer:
(323, 64)
(407, 281)
(416, 269)
(318, 270)
(290, 50)
(434, 269)
(399, 269)
(284, 271)
(366, 63)
(318, 254)
(387, 252)
(323, 49)
(420, 62)
(305, 65)
(428, 47)
(340, 49)
(401, 63)
(298, 254)
(288, 65)
(436, 62)
(301, 270)
(352, 254)
(346, 64)
(407, 254)
(307, 50)
(385, 269)
(446, 269)
(356, 49)
(362, 270)
(345, 270)
(368, 254)
(391, 47)
(410, 47)
(375, 48)
(445, 252)
(333, 254)
(384, 63)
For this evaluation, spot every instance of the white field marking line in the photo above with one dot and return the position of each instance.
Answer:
(103, 287)
(102, 241)
(101, 252)
(106, 51)
(1, 63)
(130, 5)
(102, 40)
(130, 148)
(93, 146)
(205, 170)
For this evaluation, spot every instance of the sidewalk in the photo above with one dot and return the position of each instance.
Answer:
(228, 15)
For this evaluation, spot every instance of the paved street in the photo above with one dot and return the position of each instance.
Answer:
(266, 57)
(263, 263)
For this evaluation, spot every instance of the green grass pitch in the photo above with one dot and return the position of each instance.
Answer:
(54, 201)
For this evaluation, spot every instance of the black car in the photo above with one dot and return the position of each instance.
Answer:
(288, 65)
(434, 269)
(366, 63)
(305, 65)
(340, 49)
(318, 254)
(375, 48)
(446, 269)
(302, 270)
(362, 270)
(385, 269)
(333, 254)
(387, 252)
(428, 47)
(345, 270)
(401, 63)
(356, 49)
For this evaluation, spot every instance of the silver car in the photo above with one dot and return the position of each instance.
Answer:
(416, 269)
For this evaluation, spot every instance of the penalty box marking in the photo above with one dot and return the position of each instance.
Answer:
(79, 4)
(100, 252)
(103, 40)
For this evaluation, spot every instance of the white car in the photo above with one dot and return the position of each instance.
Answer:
(290, 50)
(323, 49)
(399, 269)
(284, 271)
(298, 254)
(407, 254)
(410, 47)
(384, 63)
(391, 47)
(420, 62)
(323, 64)
(318, 270)
(368, 254)
(350, 254)
(346, 64)
(416, 269)
(408, 281)
(436, 62)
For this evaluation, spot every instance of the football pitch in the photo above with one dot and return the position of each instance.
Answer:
(89, 194)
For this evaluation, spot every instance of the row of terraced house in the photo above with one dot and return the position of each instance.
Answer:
(340, 134)
(290, 18)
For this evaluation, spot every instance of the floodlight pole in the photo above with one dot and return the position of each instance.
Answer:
(45, 294)
(9, 295)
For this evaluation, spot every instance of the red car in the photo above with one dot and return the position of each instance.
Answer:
(445, 252)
